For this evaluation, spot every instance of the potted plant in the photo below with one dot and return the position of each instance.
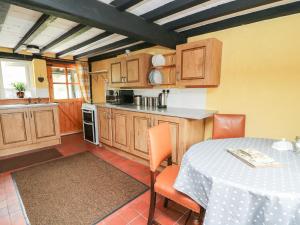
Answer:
(20, 88)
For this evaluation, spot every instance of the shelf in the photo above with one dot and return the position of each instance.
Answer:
(98, 72)
(164, 66)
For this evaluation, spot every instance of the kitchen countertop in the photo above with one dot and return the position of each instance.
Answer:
(187, 113)
(21, 106)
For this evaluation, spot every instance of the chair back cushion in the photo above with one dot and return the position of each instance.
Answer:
(160, 144)
(228, 126)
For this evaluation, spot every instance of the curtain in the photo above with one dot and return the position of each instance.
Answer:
(84, 80)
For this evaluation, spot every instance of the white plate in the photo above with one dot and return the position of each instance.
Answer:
(151, 76)
(157, 77)
(158, 60)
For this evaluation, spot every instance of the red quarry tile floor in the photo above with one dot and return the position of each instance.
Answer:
(134, 213)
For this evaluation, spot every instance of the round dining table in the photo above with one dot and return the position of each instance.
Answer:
(232, 192)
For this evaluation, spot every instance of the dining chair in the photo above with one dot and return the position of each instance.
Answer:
(160, 149)
(228, 126)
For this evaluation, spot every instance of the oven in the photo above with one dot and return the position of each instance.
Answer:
(90, 123)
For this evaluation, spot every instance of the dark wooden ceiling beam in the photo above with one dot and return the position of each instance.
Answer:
(120, 51)
(266, 14)
(4, 7)
(218, 11)
(83, 44)
(98, 14)
(124, 4)
(114, 45)
(40, 25)
(74, 32)
(170, 8)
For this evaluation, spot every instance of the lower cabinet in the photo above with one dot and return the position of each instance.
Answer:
(121, 126)
(28, 128)
(129, 131)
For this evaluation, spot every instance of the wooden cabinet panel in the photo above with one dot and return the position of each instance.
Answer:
(132, 70)
(121, 129)
(199, 63)
(141, 123)
(116, 71)
(44, 123)
(176, 129)
(105, 129)
(15, 128)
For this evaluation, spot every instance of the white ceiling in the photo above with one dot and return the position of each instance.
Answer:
(19, 20)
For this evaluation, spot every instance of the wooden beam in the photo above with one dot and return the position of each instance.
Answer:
(82, 44)
(40, 25)
(124, 4)
(69, 35)
(4, 7)
(266, 14)
(120, 51)
(170, 8)
(114, 45)
(98, 14)
(218, 11)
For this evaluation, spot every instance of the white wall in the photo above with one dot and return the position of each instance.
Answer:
(179, 98)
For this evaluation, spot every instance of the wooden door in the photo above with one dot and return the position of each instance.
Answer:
(105, 127)
(44, 123)
(199, 63)
(132, 70)
(116, 71)
(15, 128)
(65, 89)
(175, 125)
(121, 129)
(141, 123)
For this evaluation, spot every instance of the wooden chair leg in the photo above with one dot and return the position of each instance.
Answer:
(188, 217)
(152, 208)
(166, 202)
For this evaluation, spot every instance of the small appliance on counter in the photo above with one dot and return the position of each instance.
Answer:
(119, 97)
(162, 99)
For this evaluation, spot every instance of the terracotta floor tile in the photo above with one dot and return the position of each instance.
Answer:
(115, 220)
(140, 220)
(5, 220)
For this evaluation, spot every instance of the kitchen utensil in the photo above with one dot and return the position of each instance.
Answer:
(137, 99)
(162, 99)
(144, 101)
(282, 145)
(158, 60)
(149, 101)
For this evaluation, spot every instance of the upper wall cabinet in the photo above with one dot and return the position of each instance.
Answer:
(130, 71)
(199, 63)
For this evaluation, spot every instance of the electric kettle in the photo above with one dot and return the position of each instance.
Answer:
(162, 99)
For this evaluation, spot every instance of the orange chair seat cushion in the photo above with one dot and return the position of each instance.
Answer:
(164, 186)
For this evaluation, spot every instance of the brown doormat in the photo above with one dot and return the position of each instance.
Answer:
(80, 189)
(28, 159)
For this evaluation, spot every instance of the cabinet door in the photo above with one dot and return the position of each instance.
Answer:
(15, 128)
(44, 123)
(116, 71)
(175, 125)
(121, 129)
(105, 132)
(199, 63)
(132, 70)
(141, 124)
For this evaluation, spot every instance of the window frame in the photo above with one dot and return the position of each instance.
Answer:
(28, 72)
(67, 83)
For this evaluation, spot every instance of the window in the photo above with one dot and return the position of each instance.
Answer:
(14, 71)
(65, 83)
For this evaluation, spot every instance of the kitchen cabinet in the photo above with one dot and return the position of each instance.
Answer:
(15, 128)
(129, 71)
(44, 124)
(199, 63)
(28, 128)
(129, 132)
(121, 123)
(105, 128)
(141, 123)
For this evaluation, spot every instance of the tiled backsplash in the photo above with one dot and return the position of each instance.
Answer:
(183, 98)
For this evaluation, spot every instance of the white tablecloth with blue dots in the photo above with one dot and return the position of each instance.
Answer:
(232, 192)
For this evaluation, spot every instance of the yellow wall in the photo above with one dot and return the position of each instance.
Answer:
(261, 76)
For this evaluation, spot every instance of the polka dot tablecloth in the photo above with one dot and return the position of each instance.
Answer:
(233, 192)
